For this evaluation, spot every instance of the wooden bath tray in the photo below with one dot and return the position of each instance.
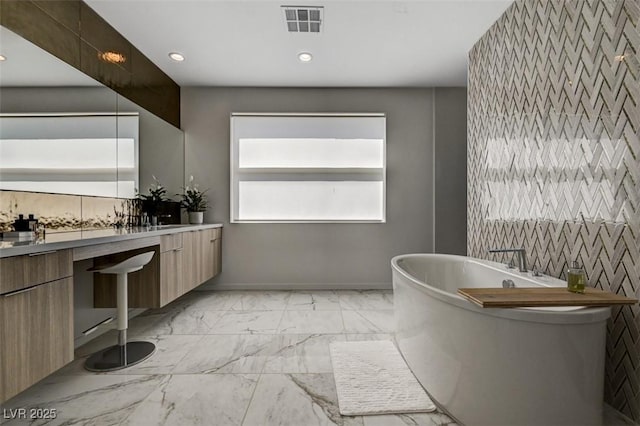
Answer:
(541, 296)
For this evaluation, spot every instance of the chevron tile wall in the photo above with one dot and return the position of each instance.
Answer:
(554, 154)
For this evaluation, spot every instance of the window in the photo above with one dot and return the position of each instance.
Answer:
(308, 167)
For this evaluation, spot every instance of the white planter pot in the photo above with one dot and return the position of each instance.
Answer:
(196, 218)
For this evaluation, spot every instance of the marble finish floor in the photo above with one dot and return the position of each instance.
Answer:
(226, 358)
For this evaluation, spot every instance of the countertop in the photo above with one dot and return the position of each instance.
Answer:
(73, 239)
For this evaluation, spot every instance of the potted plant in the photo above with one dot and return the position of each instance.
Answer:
(194, 201)
(151, 203)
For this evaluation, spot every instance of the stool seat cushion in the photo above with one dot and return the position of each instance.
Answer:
(132, 264)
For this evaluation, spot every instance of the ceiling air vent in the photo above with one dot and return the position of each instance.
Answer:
(303, 19)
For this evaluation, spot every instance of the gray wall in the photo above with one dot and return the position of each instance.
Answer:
(450, 118)
(317, 255)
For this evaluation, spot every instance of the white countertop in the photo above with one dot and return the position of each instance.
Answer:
(73, 239)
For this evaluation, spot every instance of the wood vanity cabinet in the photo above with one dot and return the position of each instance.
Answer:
(36, 321)
(182, 262)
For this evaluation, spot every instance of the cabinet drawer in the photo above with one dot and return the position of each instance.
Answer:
(170, 242)
(36, 334)
(18, 272)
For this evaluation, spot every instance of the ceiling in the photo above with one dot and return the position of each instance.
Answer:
(27, 65)
(362, 43)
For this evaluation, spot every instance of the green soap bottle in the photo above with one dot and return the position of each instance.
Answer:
(575, 278)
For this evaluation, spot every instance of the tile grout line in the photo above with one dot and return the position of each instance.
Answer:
(253, 393)
(244, 417)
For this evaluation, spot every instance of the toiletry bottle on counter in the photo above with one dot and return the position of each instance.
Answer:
(576, 278)
(33, 223)
(21, 224)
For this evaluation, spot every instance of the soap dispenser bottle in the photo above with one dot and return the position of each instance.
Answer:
(576, 278)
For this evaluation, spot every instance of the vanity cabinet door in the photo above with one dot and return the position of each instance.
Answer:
(207, 245)
(171, 275)
(201, 257)
(191, 260)
(36, 334)
(171, 268)
(211, 248)
(217, 256)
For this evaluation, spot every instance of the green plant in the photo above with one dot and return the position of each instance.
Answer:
(157, 195)
(194, 200)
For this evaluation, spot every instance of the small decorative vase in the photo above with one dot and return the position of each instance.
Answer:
(196, 218)
(154, 220)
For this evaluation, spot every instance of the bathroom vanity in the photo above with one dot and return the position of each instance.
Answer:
(36, 288)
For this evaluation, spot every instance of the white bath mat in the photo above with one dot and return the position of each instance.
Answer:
(372, 378)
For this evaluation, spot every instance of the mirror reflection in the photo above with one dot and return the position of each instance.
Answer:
(62, 132)
(70, 153)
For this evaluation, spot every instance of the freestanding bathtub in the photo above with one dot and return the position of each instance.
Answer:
(489, 366)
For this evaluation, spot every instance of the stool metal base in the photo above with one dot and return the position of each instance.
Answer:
(118, 357)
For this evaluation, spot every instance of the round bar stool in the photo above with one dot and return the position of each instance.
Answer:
(124, 354)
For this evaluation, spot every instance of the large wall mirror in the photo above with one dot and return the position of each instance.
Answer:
(63, 132)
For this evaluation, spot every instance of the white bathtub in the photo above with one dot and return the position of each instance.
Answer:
(488, 366)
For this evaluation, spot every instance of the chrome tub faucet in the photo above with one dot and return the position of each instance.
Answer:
(522, 256)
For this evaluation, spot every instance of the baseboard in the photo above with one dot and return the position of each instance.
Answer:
(295, 286)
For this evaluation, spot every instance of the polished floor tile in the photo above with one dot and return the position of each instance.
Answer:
(97, 399)
(314, 301)
(226, 358)
(196, 400)
(249, 322)
(368, 336)
(366, 299)
(296, 399)
(184, 321)
(302, 353)
(378, 321)
(418, 419)
(261, 301)
(233, 353)
(326, 322)
(170, 350)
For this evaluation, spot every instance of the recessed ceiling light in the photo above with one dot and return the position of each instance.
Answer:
(3, 58)
(178, 57)
(305, 57)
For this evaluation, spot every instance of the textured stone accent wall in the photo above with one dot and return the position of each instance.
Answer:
(554, 154)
